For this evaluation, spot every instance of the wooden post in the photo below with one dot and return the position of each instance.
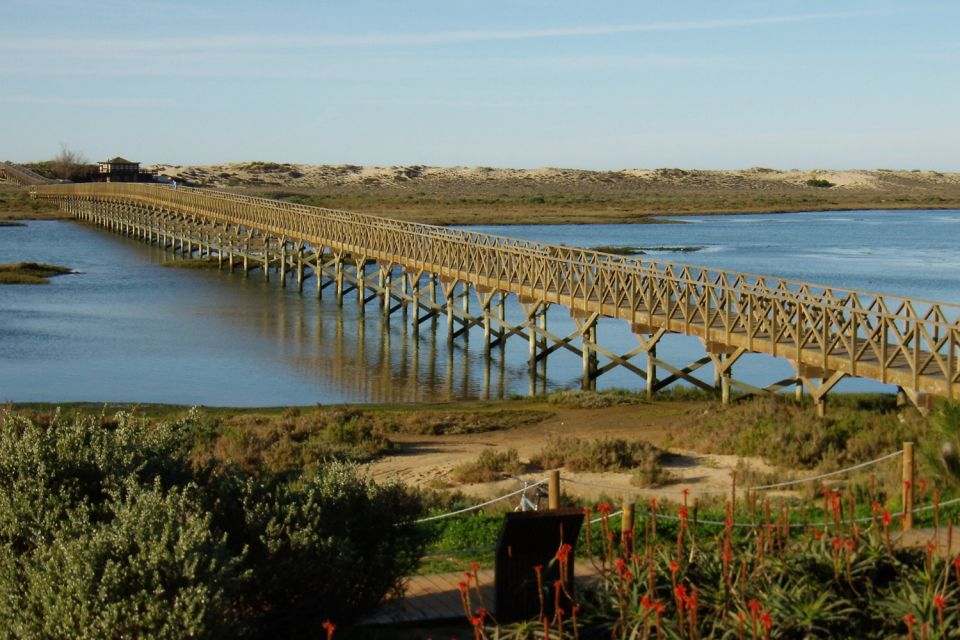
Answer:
(909, 485)
(626, 520)
(553, 489)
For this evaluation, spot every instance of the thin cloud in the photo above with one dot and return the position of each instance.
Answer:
(71, 101)
(113, 46)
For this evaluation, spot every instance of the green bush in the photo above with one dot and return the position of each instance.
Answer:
(490, 465)
(602, 454)
(820, 182)
(115, 528)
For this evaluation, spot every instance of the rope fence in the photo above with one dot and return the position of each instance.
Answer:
(553, 483)
(475, 507)
(765, 487)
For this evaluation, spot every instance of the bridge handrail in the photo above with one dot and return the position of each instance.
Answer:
(579, 256)
(565, 256)
(815, 328)
(22, 175)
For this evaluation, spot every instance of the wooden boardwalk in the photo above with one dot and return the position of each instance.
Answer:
(436, 597)
(438, 273)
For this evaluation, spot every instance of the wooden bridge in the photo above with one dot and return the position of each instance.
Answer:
(429, 272)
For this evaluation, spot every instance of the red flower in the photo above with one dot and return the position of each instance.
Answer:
(474, 566)
(767, 620)
(476, 621)
(754, 605)
(563, 553)
(876, 507)
(604, 508)
(674, 567)
(329, 627)
(646, 603)
(683, 513)
(939, 601)
(680, 593)
(886, 517)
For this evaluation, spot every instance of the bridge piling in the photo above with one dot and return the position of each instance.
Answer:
(841, 332)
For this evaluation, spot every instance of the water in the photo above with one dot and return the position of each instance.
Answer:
(127, 329)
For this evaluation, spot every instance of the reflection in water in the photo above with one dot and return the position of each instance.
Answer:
(128, 329)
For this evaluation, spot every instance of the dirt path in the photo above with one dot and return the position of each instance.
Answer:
(427, 461)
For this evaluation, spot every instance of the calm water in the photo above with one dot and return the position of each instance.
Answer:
(128, 329)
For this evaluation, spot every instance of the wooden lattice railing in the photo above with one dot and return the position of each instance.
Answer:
(21, 175)
(909, 342)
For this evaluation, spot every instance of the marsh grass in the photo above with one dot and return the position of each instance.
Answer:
(193, 263)
(489, 466)
(605, 454)
(30, 272)
(595, 399)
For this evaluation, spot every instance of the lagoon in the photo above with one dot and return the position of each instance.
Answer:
(127, 329)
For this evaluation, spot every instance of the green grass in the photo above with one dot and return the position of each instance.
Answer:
(30, 272)
(193, 263)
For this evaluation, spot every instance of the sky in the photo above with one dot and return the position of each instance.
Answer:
(597, 84)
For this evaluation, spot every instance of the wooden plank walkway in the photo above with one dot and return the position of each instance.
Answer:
(436, 597)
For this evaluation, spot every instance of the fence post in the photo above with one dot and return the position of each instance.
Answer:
(908, 486)
(626, 520)
(553, 489)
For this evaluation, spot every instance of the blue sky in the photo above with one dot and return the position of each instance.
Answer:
(524, 83)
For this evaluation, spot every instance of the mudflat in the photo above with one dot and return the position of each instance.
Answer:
(486, 195)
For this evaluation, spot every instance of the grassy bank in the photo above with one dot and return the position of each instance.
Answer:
(30, 272)
(16, 204)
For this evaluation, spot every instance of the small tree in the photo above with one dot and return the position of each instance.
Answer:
(69, 164)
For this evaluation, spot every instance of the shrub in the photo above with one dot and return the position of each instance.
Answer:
(595, 399)
(604, 454)
(490, 465)
(820, 182)
(117, 528)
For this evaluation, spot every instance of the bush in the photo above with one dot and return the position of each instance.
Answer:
(490, 465)
(116, 528)
(595, 399)
(604, 454)
(820, 182)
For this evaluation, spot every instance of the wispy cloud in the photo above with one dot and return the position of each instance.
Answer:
(72, 101)
(114, 46)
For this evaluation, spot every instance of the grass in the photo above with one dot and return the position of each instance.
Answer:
(30, 272)
(16, 204)
(288, 439)
(193, 263)
(606, 454)
(601, 198)
(489, 466)
(595, 399)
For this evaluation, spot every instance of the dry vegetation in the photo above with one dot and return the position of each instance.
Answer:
(30, 273)
(481, 195)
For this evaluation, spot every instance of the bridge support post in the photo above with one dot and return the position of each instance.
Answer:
(449, 297)
(299, 249)
(266, 259)
(361, 274)
(724, 357)
(338, 276)
(588, 354)
(283, 262)
(387, 284)
(651, 378)
(415, 292)
(828, 380)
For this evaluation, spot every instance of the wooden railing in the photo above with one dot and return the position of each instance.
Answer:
(909, 342)
(21, 175)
